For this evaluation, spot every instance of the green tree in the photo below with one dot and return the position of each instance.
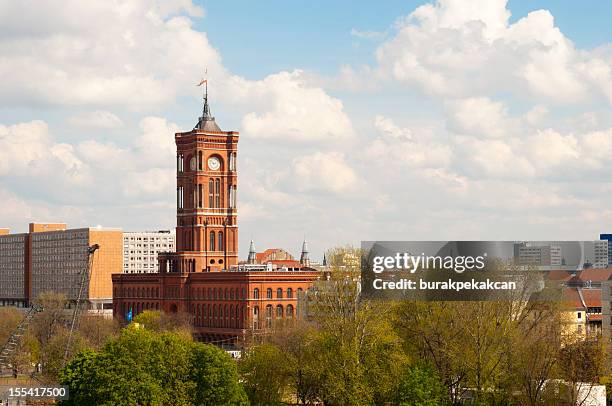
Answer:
(265, 373)
(143, 367)
(160, 321)
(420, 385)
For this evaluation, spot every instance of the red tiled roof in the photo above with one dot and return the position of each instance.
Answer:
(592, 297)
(559, 275)
(595, 317)
(572, 298)
(595, 275)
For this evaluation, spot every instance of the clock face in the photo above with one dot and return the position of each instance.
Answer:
(214, 163)
(192, 164)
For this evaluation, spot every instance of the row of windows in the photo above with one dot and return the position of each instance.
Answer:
(279, 293)
(137, 292)
(214, 315)
(217, 293)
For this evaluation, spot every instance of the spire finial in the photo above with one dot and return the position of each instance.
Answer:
(206, 116)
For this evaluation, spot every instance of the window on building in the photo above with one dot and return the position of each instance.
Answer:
(255, 293)
(289, 311)
(279, 293)
(279, 312)
(212, 240)
(289, 293)
(269, 293)
(211, 191)
(220, 241)
(269, 315)
(200, 197)
(217, 193)
(200, 160)
(579, 315)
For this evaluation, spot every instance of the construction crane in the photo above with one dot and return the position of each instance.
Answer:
(12, 344)
(14, 339)
(76, 313)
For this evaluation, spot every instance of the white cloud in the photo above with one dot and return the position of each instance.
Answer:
(369, 35)
(96, 119)
(464, 48)
(481, 117)
(294, 110)
(397, 146)
(324, 172)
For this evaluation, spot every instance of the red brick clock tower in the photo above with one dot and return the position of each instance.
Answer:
(206, 187)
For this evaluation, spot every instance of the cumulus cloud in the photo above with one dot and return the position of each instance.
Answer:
(295, 111)
(468, 48)
(324, 172)
(96, 119)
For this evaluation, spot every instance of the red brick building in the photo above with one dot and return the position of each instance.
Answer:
(203, 276)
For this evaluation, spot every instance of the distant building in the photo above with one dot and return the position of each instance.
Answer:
(51, 257)
(608, 238)
(537, 255)
(140, 250)
(584, 313)
(602, 256)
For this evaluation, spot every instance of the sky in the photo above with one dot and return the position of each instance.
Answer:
(395, 120)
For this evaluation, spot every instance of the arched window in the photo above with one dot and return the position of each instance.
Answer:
(269, 293)
(279, 312)
(289, 293)
(211, 192)
(299, 291)
(217, 193)
(200, 160)
(279, 293)
(220, 241)
(200, 196)
(269, 315)
(212, 240)
(255, 293)
(232, 293)
(289, 311)
(226, 295)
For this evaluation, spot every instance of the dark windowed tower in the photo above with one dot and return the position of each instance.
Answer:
(206, 214)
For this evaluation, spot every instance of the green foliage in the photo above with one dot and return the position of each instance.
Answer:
(420, 385)
(142, 367)
(158, 321)
(265, 375)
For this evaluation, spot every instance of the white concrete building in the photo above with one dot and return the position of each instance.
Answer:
(140, 249)
(601, 254)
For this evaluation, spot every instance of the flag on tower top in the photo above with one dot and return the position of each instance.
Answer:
(203, 81)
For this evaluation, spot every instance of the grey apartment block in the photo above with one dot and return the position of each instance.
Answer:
(58, 259)
(537, 255)
(140, 250)
(12, 269)
(601, 251)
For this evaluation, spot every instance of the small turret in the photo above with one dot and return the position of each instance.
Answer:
(251, 258)
(304, 260)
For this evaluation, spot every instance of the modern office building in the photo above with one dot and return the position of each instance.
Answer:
(608, 238)
(140, 250)
(51, 257)
(537, 255)
(203, 277)
(601, 254)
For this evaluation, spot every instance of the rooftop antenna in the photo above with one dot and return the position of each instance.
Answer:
(206, 110)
